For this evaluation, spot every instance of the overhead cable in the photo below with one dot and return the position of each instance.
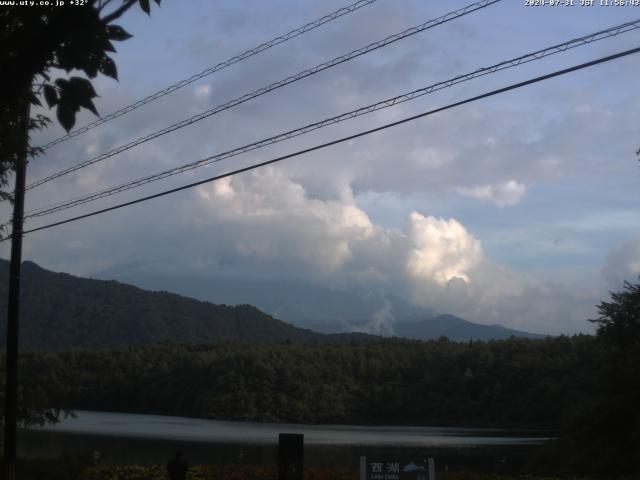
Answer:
(208, 71)
(279, 84)
(389, 102)
(341, 140)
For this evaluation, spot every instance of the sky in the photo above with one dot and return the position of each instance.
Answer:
(520, 209)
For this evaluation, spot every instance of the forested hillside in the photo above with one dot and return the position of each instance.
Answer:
(60, 310)
(512, 382)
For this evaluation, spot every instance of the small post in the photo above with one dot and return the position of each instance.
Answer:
(290, 456)
(432, 469)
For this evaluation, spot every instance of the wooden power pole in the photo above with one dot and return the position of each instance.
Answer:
(13, 312)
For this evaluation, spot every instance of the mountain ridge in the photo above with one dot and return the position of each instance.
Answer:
(306, 305)
(61, 310)
(457, 329)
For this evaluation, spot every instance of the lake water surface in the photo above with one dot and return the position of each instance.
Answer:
(135, 438)
(199, 430)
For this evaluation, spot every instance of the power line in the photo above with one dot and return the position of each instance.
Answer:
(343, 139)
(227, 63)
(537, 55)
(279, 84)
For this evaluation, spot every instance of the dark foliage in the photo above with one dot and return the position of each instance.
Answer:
(604, 436)
(38, 40)
(60, 311)
(515, 382)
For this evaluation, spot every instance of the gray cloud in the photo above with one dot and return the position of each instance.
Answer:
(623, 263)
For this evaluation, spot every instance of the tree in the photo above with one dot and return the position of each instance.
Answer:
(34, 41)
(619, 379)
(603, 437)
(619, 321)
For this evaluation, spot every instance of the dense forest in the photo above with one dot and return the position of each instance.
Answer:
(570, 385)
(501, 383)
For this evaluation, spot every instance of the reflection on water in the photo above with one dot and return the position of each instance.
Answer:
(193, 429)
(151, 439)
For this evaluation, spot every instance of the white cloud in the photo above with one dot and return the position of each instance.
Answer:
(541, 307)
(274, 217)
(504, 194)
(440, 249)
(623, 263)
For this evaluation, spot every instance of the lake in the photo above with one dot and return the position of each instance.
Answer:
(135, 438)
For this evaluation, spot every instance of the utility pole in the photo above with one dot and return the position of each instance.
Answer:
(13, 313)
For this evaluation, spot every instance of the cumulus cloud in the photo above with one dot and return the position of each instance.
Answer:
(267, 225)
(622, 263)
(436, 262)
(285, 222)
(504, 194)
(273, 216)
(541, 307)
(500, 295)
(440, 249)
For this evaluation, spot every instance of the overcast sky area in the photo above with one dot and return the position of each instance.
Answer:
(521, 209)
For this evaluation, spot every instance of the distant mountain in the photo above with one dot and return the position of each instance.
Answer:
(60, 310)
(303, 304)
(457, 329)
(319, 308)
(450, 326)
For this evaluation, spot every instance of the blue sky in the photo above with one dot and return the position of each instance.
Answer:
(521, 209)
